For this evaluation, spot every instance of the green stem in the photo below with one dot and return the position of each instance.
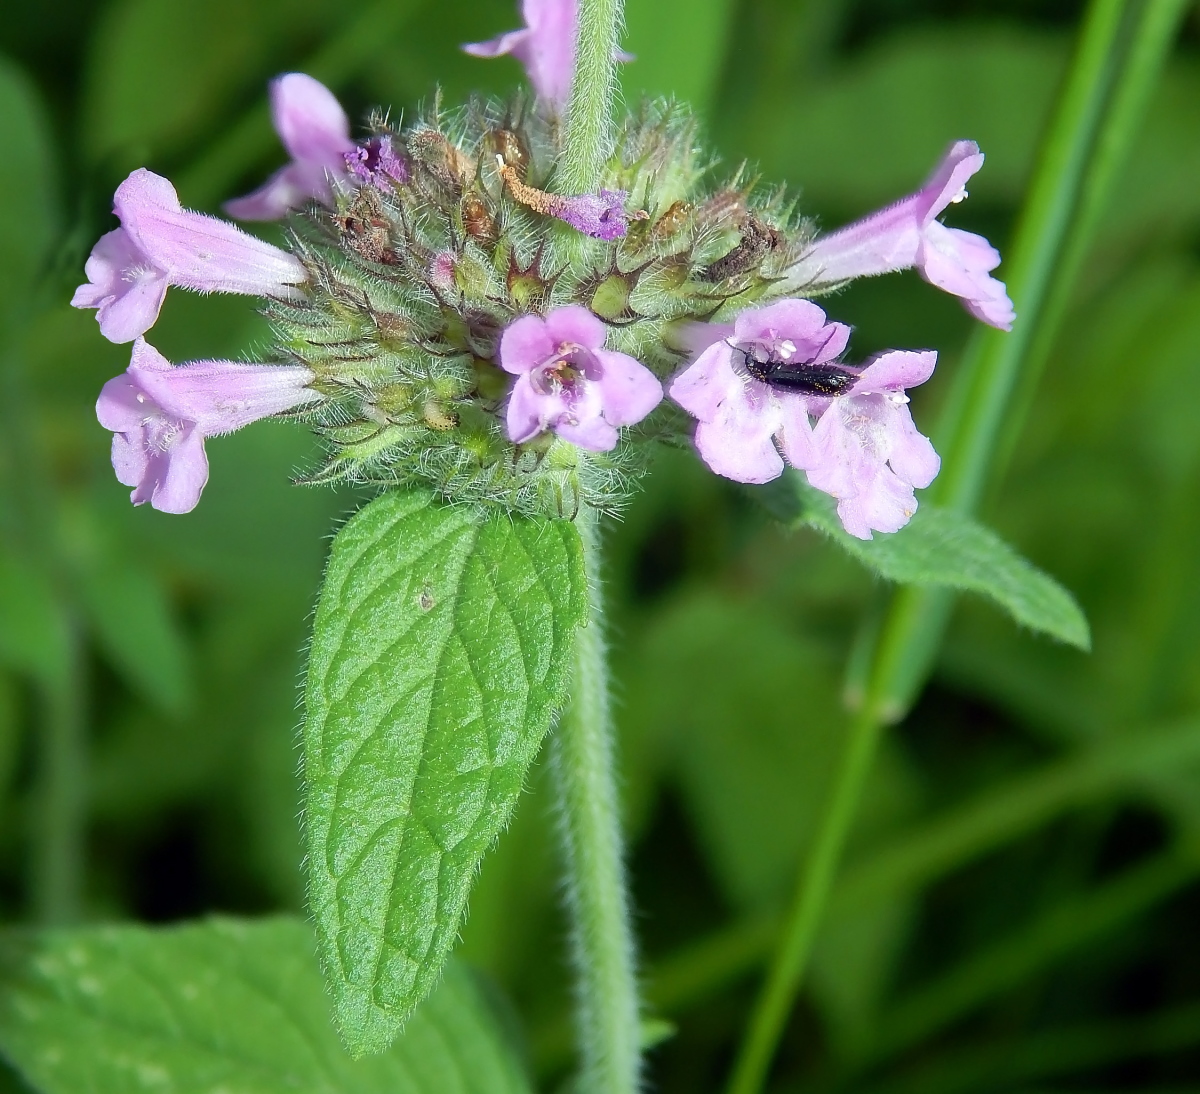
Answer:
(587, 140)
(602, 942)
(1079, 142)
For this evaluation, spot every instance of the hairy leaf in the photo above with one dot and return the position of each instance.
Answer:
(440, 652)
(938, 547)
(223, 1005)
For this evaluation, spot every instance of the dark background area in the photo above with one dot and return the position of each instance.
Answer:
(1059, 954)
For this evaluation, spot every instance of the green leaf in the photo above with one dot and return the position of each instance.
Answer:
(440, 652)
(941, 548)
(28, 187)
(33, 631)
(159, 74)
(224, 1005)
(134, 625)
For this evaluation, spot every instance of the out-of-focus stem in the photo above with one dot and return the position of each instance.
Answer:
(602, 942)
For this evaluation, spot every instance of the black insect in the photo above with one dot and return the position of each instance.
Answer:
(803, 378)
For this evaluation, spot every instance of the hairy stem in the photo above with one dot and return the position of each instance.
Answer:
(602, 943)
(587, 140)
(1121, 42)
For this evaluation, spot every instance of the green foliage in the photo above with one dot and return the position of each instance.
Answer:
(33, 631)
(942, 548)
(28, 215)
(440, 652)
(223, 1005)
(679, 46)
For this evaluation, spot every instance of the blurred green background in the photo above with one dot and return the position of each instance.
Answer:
(1019, 909)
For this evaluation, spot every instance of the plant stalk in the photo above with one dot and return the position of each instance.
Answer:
(587, 140)
(607, 1008)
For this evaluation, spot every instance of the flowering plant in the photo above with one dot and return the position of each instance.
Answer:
(496, 317)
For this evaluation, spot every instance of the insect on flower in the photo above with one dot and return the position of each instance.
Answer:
(823, 379)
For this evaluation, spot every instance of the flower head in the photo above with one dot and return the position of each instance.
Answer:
(740, 416)
(908, 233)
(316, 133)
(160, 415)
(867, 452)
(545, 46)
(569, 383)
(160, 244)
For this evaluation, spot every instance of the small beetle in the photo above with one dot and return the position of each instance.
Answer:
(801, 377)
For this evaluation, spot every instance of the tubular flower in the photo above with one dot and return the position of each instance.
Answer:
(160, 244)
(160, 416)
(740, 415)
(316, 133)
(569, 383)
(545, 46)
(867, 452)
(908, 233)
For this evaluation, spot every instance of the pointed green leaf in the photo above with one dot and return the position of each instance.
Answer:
(440, 652)
(224, 1005)
(939, 547)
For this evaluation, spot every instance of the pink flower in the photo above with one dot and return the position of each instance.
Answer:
(866, 451)
(316, 133)
(160, 244)
(754, 385)
(545, 46)
(569, 383)
(908, 233)
(741, 417)
(160, 416)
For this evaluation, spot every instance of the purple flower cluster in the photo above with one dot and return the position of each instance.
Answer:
(863, 449)
(767, 390)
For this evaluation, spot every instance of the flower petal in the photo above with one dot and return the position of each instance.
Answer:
(739, 450)
(525, 344)
(184, 476)
(310, 121)
(628, 390)
(523, 416)
(895, 370)
(575, 323)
